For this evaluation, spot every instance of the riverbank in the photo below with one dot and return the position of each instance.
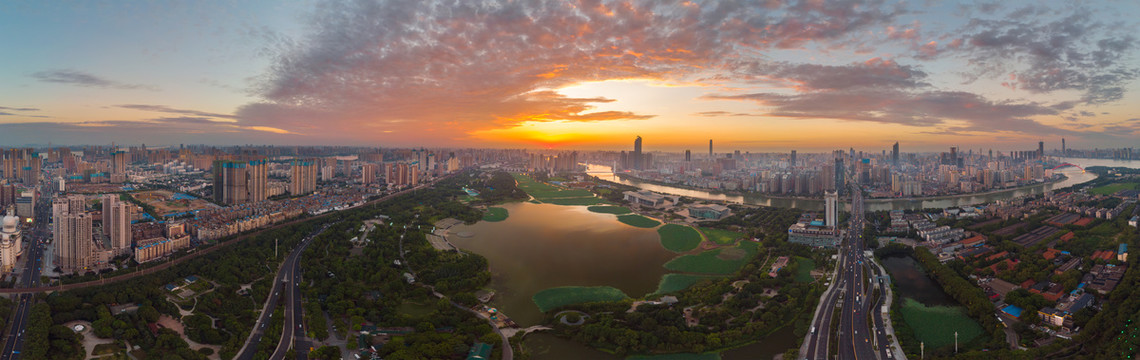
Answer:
(820, 198)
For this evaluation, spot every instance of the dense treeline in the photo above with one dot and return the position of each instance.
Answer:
(501, 187)
(364, 284)
(723, 321)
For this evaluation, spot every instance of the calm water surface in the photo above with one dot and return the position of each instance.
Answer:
(542, 246)
(913, 283)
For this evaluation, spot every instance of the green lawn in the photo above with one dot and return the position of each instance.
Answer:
(616, 210)
(1113, 188)
(638, 221)
(556, 297)
(804, 273)
(935, 325)
(679, 238)
(495, 214)
(707, 356)
(722, 237)
(555, 194)
(676, 282)
(721, 261)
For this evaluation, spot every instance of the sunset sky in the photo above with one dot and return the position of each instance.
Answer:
(752, 75)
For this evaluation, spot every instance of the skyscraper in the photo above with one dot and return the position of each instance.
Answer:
(1063, 152)
(895, 155)
(831, 215)
(710, 149)
(1040, 149)
(638, 160)
(792, 160)
(840, 174)
(688, 155)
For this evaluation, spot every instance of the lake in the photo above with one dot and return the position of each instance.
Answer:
(540, 246)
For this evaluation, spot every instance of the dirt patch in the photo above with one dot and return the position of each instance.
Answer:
(732, 254)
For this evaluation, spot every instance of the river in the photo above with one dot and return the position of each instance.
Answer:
(1075, 176)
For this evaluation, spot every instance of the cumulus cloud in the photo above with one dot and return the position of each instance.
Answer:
(892, 106)
(79, 78)
(1043, 55)
(457, 67)
(873, 73)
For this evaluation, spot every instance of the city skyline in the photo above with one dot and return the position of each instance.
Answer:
(588, 75)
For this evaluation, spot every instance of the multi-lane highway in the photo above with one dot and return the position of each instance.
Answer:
(33, 239)
(851, 292)
(288, 276)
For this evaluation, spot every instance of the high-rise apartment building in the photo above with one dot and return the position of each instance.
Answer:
(117, 224)
(368, 173)
(240, 181)
(72, 234)
(831, 208)
(118, 162)
(303, 178)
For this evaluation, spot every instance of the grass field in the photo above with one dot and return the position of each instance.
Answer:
(804, 273)
(936, 325)
(722, 237)
(495, 214)
(554, 298)
(638, 221)
(556, 195)
(1113, 188)
(718, 261)
(679, 238)
(677, 282)
(616, 210)
(708, 356)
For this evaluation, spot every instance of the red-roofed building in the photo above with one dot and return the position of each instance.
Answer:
(997, 256)
(1011, 264)
(1068, 236)
(974, 241)
(1050, 254)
